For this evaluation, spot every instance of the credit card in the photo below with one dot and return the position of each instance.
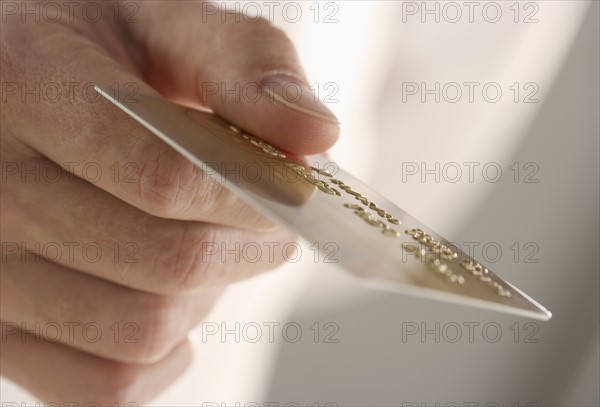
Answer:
(354, 226)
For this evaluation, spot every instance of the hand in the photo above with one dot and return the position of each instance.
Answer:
(103, 225)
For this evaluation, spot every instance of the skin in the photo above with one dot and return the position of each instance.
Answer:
(166, 213)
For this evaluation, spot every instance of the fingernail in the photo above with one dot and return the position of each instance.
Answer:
(292, 93)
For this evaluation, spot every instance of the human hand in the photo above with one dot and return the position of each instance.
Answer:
(104, 225)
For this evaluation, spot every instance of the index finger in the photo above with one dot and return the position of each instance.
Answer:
(92, 139)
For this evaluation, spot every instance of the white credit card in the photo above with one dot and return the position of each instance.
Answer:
(313, 197)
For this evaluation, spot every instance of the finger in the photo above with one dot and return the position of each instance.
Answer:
(246, 70)
(86, 229)
(59, 374)
(90, 137)
(96, 316)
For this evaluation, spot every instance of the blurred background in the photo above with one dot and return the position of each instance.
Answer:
(421, 88)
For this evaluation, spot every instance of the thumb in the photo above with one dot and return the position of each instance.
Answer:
(246, 70)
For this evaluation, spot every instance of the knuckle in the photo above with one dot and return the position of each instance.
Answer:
(272, 49)
(167, 182)
(180, 259)
(158, 328)
(273, 40)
